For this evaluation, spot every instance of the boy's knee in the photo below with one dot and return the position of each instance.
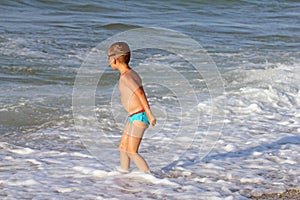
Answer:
(122, 147)
(128, 149)
(123, 144)
(131, 155)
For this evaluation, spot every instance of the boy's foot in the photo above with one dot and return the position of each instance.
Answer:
(123, 171)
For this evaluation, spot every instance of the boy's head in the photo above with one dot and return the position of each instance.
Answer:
(119, 51)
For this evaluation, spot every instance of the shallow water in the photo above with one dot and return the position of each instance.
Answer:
(250, 147)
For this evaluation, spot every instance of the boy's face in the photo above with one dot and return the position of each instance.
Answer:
(112, 60)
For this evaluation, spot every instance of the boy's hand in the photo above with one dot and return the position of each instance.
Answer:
(152, 121)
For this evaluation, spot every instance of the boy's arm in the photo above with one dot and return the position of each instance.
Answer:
(143, 99)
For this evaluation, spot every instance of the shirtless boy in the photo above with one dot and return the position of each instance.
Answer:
(135, 103)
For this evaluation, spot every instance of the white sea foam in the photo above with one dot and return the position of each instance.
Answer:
(253, 156)
(22, 151)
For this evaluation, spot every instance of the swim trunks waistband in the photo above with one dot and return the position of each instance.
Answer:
(140, 111)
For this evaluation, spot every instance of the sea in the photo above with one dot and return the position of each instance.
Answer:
(221, 77)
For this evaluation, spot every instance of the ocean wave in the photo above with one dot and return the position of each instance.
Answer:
(119, 26)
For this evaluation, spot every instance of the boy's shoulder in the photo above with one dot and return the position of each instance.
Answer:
(131, 75)
(131, 79)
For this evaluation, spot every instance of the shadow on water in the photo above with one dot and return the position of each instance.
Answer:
(266, 148)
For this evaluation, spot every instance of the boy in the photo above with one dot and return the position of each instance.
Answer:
(135, 103)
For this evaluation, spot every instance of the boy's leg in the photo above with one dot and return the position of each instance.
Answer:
(124, 158)
(136, 132)
(139, 161)
(129, 145)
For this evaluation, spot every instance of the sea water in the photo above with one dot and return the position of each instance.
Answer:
(243, 141)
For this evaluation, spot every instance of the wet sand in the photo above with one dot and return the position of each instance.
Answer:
(288, 195)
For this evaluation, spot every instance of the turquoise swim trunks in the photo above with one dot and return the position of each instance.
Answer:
(140, 116)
